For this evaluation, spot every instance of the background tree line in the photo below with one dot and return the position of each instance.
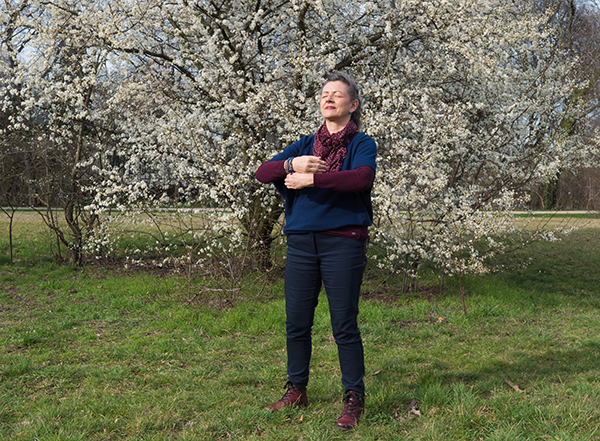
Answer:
(476, 107)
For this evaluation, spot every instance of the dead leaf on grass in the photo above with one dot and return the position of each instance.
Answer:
(514, 386)
(413, 408)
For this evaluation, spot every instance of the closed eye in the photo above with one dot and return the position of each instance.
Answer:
(337, 95)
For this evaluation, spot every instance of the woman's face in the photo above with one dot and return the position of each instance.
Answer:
(336, 104)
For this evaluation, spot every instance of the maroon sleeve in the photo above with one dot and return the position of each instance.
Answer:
(271, 171)
(350, 181)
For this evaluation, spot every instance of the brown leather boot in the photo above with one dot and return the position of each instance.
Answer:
(294, 396)
(354, 406)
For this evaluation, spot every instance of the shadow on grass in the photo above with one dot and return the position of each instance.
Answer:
(549, 367)
(546, 383)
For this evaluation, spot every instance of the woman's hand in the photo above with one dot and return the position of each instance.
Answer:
(296, 181)
(309, 164)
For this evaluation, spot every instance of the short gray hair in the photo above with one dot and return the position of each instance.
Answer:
(353, 90)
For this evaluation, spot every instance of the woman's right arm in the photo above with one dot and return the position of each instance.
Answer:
(271, 171)
(276, 169)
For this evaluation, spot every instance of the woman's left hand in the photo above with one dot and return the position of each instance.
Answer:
(296, 181)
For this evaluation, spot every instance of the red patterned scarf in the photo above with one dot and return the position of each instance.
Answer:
(331, 148)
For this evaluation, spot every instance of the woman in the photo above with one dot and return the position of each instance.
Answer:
(326, 182)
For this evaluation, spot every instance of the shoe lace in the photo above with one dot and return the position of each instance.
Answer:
(352, 402)
(288, 395)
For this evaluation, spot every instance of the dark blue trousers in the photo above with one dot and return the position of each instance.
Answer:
(337, 262)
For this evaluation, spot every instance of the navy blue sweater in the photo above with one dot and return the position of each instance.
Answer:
(315, 209)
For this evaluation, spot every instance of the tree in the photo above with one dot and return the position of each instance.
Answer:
(220, 88)
(54, 80)
(14, 137)
(577, 27)
(469, 116)
(466, 100)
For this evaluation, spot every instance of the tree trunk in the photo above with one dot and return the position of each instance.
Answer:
(259, 224)
(11, 216)
(74, 200)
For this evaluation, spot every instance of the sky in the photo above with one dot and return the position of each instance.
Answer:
(594, 3)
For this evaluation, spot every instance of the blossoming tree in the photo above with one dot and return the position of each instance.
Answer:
(465, 99)
(216, 89)
(469, 115)
(52, 73)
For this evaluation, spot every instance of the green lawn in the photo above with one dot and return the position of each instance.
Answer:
(105, 354)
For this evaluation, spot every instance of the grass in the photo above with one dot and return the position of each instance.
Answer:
(559, 215)
(103, 354)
